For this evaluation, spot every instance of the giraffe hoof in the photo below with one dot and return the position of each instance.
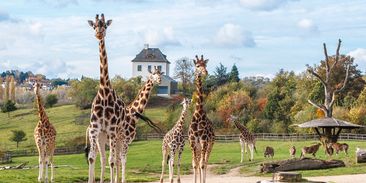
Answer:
(178, 180)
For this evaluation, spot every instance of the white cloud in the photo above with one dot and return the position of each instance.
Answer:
(264, 5)
(359, 54)
(162, 38)
(232, 35)
(307, 24)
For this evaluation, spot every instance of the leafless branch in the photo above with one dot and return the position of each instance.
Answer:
(316, 105)
(337, 54)
(311, 70)
(326, 57)
(333, 99)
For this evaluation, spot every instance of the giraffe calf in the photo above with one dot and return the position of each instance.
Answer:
(310, 150)
(269, 152)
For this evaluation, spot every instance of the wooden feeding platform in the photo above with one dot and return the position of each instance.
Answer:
(328, 128)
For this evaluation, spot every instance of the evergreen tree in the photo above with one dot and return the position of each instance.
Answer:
(234, 74)
(221, 75)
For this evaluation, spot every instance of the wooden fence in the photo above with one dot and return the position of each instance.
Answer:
(220, 138)
(267, 137)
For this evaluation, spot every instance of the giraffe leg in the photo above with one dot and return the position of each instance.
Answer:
(40, 167)
(195, 146)
(92, 157)
(165, 156)
(46, 170)
(207, 154)
(242, 151)
(123, 161)
(203, 165)
(171, 165)
(101, 147)
(251, 149)
(52, 168)
(112, 157)
(178, 168)
(118, 162)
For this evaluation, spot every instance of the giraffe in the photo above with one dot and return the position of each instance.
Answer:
(107, 110)
(45, 137)
(201, 134)
(127, 132)
(246, 138)
(173, 142)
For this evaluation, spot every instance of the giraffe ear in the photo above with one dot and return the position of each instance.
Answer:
(91, 23)
(162, 73)
(109, 22)
(206, 61)
(194, 61)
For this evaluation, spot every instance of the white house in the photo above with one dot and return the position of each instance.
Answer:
(146, 60)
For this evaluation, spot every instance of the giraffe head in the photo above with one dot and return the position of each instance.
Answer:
(200, 65)
(186, 102)
(100, 26)
(155, 76)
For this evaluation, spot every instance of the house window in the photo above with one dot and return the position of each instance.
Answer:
(149, 68)
(139, 67)
(159, 67)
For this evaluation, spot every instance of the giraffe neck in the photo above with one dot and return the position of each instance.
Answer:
(104, 77)
(41, 112)
(241, 127)
(140, 102)
(180, 122)
(199, 96)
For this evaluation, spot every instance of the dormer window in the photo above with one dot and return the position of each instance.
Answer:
(150, 56)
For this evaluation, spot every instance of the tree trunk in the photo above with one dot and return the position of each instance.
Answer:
(17, 145)
(300, 164)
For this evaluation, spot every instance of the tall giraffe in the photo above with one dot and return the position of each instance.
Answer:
(127, 132)
(201, 133)
(173, 142)
(107, 110)
(246, 138)
(45, 137)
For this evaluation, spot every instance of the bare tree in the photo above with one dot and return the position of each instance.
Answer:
(7, 86)
(330, 89)
(12, 88)
(184, 71)
(1, 89)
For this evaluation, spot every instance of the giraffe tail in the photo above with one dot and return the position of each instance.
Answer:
(149, 122)
(87, 146)
(167, 159)
(255, 149)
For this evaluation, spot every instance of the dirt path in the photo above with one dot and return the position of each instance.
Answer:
(233, 176)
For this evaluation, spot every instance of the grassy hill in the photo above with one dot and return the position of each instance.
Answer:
(69, 121)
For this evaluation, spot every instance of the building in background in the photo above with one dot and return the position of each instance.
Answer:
(149, 58)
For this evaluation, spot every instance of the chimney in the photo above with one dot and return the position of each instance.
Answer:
(146, 46)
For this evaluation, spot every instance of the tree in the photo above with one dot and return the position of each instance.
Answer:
(281, 98)
(12, 88)
(221, 75)
(8, 107)
(18, 136)
(234, 74)
(83, 92)
(184, 71)
(333, 82)
(51, 100)
(7, 87)
(1, 89)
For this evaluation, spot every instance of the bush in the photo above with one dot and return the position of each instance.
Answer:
(8, 107)
(51, 100)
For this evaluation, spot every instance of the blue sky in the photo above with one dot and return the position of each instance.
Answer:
(52, 37)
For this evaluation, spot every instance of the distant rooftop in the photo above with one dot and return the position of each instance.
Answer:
(150, 55)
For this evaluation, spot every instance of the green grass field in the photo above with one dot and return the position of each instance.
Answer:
(66, 120)
(144, 162)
